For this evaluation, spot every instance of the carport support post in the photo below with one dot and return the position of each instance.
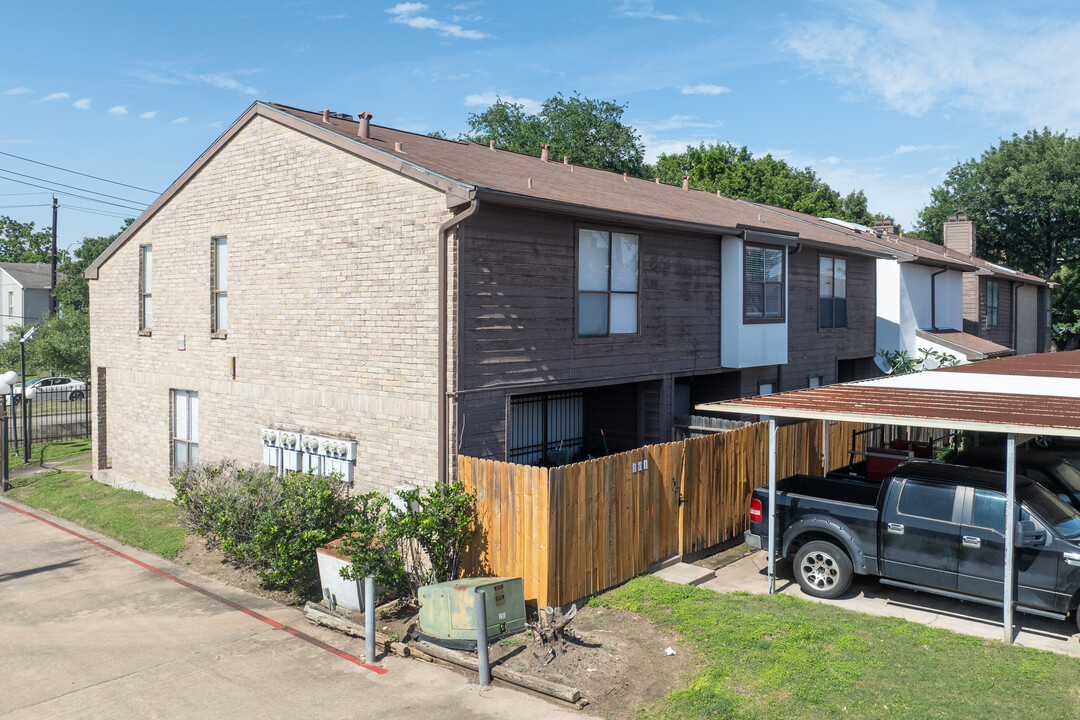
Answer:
(1010, 532)
(369, 618)
(772, 505)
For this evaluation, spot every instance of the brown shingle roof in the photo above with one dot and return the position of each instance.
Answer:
(516, 176)
(972, 346)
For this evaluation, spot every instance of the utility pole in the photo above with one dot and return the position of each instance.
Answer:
(52, 288)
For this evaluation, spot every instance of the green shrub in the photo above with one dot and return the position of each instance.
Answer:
(271, 523)
(419, 545)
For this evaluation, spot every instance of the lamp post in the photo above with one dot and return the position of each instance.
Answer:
(6, 381)
(22, 360)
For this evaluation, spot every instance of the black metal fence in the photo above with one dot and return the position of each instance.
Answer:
(546, 429)
(56, 415)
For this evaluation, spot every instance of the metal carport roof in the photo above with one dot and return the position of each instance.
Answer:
(1020, 395)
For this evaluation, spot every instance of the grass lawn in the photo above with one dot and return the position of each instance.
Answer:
(784, 657)
(128, 516)
(50, 451)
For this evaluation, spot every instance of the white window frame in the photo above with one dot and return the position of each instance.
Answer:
(219, 285)
(146, 276)
(830, 293)
(184, 429)
(612, 295)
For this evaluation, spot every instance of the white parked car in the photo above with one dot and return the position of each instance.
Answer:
(54, 388)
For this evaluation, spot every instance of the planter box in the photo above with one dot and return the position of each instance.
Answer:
(337, 590)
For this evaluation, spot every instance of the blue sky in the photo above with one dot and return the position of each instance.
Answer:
(879, 96)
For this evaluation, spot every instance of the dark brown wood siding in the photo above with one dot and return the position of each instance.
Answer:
(1002, 333)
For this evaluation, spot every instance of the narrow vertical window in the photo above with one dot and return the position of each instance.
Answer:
(11, 304)
(991, 303)
(146, 301)
(220, 302)
(607, 283)
(763, 284)
(185, 430)
(832, 292)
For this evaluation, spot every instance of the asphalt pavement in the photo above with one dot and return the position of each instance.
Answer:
(90, 628)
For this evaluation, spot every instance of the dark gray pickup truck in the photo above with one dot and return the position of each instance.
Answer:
(926, 526)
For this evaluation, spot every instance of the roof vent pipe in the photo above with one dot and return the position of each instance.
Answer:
(544, 152)
(685, 182)
(326, 116)
(491, 144)
(565, 159)
(397, 147)
(363, 128)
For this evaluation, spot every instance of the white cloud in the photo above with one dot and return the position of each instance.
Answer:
(336, 16)
(180, 120)
(148, 115)
(119, 110)
(905, 149)
(928, 56)
(408, 14)
(642, 9)
(224, 81)
(675, 122)
(55, 96)
(485, 99)
(704, 89)
(221, 80)
(215, 124)
(17, 91)
(82, 104)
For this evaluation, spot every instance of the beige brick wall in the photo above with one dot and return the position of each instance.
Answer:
(333, 267)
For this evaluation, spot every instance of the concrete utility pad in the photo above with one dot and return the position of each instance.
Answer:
(88, 634)
(685, 574)
(868, 595)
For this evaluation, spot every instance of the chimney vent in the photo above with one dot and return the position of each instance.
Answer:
(397, 147)
(491, 144)
(565, 159)
(685, 182)
(624, 178)
(885, 225)
(657, 181)
(530, 183)
(363, 129)
(326, 116)
(544, 152)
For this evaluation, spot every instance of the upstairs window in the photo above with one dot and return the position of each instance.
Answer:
(607, 295)
(832, 292)
(219, 302)
(991, 303)
(763, 284)
(146, 302)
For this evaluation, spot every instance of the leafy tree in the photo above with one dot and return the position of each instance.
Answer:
(60, 346)
(589, 132)
(72, 292)
(736, 173)
(1024, 196)
(19, 242)
(1066, 305)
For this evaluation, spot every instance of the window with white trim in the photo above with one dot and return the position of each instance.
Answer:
(146, 302)
(185, 429)
(607, 297)
(763, 284)
(219, 302)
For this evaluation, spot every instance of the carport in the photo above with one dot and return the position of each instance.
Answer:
(1020, 397)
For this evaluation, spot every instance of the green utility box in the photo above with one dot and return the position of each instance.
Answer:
(448, 610)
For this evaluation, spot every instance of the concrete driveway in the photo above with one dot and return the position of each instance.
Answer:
(89, 633)
(750, 574)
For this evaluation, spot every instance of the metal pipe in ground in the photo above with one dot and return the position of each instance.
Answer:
(482, 638)
(369, 618)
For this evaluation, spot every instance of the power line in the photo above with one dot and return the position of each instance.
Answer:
(74, 187)
(105, 213)
(75, 172)
(81, 197)
(9, 207)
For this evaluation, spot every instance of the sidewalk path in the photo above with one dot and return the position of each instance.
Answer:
(87, 633)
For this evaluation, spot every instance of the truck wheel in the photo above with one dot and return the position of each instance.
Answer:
(822, 569)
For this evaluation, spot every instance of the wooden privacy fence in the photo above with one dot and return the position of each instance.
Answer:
(578, 529)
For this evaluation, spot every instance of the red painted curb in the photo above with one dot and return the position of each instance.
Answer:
(213, 596)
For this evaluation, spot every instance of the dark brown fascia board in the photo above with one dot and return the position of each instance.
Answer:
(499, 197)
(456, 192)
(941, 262)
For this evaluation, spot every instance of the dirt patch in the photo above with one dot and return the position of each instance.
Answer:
(617, 659)
(213, 564)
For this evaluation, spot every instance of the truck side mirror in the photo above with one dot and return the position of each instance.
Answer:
(1028, 534)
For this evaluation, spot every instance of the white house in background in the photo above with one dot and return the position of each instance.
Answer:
(24, 294)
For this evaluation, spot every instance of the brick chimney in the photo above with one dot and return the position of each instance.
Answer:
(960, 234)
(885, 225)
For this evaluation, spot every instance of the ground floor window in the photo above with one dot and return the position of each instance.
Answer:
(547, 428)
(185, 429)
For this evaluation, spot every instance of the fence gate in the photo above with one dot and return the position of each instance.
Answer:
(50, 416)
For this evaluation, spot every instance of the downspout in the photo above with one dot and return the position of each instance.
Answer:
(933, 298)
(444, 398)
